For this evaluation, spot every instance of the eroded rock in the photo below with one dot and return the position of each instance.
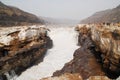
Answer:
(106, 40)
(22, 47)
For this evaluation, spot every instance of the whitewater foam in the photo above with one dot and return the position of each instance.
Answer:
(65, 41)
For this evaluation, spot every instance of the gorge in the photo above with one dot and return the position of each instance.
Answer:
(64, 45)
(46, 48)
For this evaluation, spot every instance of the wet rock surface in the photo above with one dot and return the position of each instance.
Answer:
(22, 47)
(99, 52)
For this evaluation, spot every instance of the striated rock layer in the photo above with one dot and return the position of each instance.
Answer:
(99, 53)
(21, 47)
(75, 76)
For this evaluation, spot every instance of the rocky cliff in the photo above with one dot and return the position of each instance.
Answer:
(12, 16)
(21, 47)
(105, 46)
(108, 16)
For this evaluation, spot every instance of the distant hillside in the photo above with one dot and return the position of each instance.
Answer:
(11, 16)
(110, 15)
(54, 21)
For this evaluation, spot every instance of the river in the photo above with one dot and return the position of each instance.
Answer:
(65, 43)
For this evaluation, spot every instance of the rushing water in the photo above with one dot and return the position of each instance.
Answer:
(64, 40)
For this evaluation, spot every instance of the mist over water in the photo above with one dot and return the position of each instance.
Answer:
(65, 43)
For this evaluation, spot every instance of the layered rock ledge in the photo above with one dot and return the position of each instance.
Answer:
(22, 47)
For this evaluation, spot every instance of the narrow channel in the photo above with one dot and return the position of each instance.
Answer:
(64, 45)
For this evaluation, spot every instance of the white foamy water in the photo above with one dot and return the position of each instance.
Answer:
(65, 41)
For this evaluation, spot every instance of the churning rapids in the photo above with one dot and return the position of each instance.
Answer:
(65, 43)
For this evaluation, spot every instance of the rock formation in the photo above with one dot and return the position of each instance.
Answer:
(107, 41)
(22, 47)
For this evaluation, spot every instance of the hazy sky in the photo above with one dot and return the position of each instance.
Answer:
(71, 9)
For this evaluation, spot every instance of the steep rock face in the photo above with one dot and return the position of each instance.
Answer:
(12, 16)
(21, 47)
(106, 40)
(110, 15)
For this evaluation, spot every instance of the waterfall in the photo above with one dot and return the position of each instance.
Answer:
(11, 75)
(65, 43)
(7, 75)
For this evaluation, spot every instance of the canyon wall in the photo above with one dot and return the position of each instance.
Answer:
(105, 39)
(22, 47)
